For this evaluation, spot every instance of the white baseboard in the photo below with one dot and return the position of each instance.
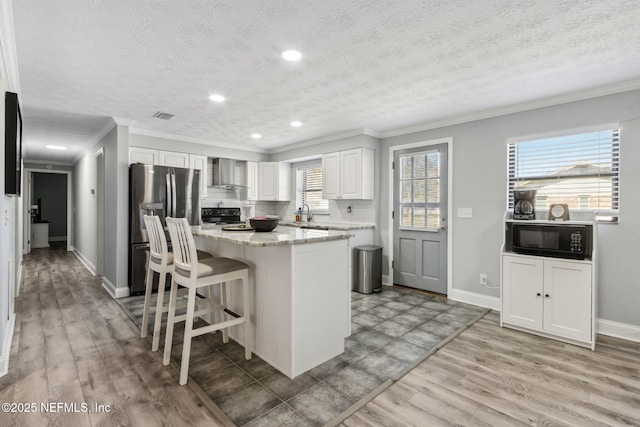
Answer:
(19, 278)
(385, 280)
(475, 299)
(84, 260)
(114, 291)
(6, 345)
(618, 330)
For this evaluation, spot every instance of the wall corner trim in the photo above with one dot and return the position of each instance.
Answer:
(475, 299)
(6, 345)
(114, 291)
(618, 330)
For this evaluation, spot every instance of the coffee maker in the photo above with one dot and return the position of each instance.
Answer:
(524, 204)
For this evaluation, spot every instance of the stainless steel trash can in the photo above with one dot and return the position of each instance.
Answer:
(368, 269)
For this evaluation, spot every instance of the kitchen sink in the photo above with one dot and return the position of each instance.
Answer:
(304, 224)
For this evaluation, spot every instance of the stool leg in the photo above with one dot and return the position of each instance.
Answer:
(247, 317)
(212, 306)
(170, 321)
(147, 302)
(157, 325)
(188, 332)
(223, 302)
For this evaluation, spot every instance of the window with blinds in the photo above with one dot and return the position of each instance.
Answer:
(309, 188)
(579, 170)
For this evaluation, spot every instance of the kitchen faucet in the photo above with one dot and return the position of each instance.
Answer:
(309, 216)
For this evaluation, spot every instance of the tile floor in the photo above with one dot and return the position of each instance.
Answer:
(391, 332)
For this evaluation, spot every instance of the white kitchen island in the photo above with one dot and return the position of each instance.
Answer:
(299, 284)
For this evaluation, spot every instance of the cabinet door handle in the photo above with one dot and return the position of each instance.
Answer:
(546, 295)
(538, 294)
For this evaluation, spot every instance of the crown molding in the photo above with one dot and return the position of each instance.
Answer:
(123, 122)
(96, 139)
(145, 132)
(517, 108)
(8, 44)
(327, 138)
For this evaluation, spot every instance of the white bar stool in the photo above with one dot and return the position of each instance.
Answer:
(160, 261)
(193, 274)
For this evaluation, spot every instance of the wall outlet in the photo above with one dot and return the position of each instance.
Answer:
(484, 279)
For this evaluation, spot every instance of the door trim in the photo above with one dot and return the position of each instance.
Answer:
(26, 214)
(392, 150)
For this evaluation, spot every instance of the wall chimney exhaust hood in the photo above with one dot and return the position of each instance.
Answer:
(224, 174)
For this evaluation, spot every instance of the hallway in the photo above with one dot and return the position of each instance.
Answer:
(73, 344)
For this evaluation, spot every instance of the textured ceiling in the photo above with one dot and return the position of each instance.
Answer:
(366, 64)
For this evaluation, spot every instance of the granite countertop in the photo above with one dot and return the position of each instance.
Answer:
(327, 225)
(279, 236)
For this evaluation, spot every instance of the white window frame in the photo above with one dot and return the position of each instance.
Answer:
(600, 215)
(298, 190)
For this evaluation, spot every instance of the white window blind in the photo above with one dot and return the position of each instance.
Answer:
(309, 188)
(579, 170)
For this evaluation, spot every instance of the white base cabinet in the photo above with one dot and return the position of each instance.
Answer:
(549, 296)
(39, 235)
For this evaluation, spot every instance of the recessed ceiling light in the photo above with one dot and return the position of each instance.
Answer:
(291, 55)
(55, 147)
(256, 135)
(216, 97)
(296, 124)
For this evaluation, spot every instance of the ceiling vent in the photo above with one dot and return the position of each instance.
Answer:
(163, 116)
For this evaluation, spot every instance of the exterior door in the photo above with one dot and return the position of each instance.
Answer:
(420, 218)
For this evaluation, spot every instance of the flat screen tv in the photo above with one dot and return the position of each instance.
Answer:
(12, 144)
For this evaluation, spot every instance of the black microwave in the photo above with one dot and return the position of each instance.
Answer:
(559, 241)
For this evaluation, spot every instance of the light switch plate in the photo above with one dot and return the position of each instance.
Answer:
(465, 213)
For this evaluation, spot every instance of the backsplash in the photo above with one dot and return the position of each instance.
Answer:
(362, 211)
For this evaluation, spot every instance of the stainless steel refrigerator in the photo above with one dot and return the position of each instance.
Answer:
(163, 191)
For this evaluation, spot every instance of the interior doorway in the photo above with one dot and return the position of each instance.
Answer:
(47, 213)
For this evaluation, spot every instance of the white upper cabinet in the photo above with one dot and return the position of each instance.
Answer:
(252, 180)
(143, 155)
(175, 159)
(200, 162)
(348, 174)
(331, 176)
(274, 180)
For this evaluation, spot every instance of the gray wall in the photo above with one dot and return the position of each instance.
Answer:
(52, 189)
(7, 229)
(479, 182)
(85, 206)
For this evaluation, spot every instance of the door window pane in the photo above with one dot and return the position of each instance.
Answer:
(419, 219)
(405, 168)
(433, 217)
(420, 189)
(406, 216)
(418, 166)
(433, 190)
(406, 192)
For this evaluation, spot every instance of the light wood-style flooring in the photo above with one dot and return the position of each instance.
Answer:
(492, 376)
(73, 343)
